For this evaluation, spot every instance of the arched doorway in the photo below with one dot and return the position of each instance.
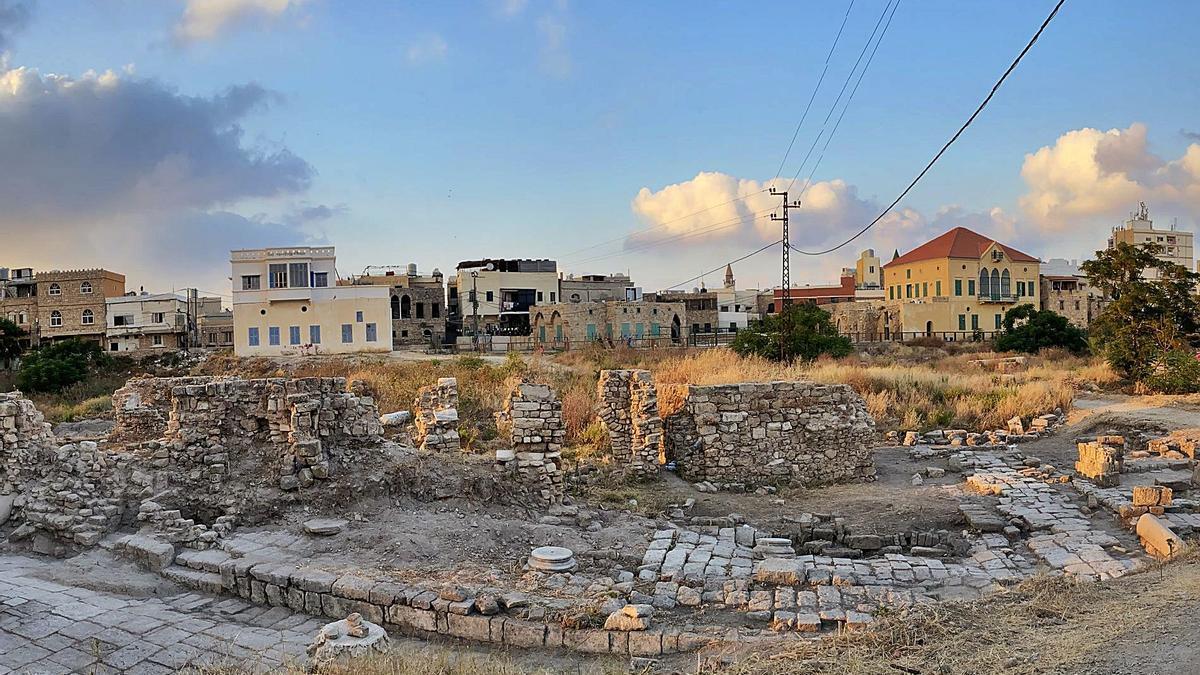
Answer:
(676, 328)
(395, 307)
(405, 307)
(995, 284)
(928, 329)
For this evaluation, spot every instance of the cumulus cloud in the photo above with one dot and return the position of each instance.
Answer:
(207, 19)
(14, 16)
(1093, 177)
(427, 48)
(108, 170)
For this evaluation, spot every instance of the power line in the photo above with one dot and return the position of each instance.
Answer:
(849, 76)
(970, 120)
(723, 265)
(817, 88)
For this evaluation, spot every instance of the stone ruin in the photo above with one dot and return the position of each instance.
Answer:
(627, 404)
(761, 433)
(533, 422)
(436, 416)
(1100, 460)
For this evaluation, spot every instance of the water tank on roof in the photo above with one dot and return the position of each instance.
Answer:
(412, 269)
(437, 274)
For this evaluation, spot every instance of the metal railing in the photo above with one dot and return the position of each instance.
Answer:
(905, 336)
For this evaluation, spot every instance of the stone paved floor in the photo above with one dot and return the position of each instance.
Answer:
(48, 627)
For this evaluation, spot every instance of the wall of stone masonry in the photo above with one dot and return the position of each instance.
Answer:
(768, 432)
(627, 404)
(532, 420)
(26, 443)
(435, 416)
(142, 407)
(1100, 460)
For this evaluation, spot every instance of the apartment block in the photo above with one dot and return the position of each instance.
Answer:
(594, 287)
(146, 323)
(1139, 230)
(496, 294)
(59, 304)
(418, 303)
(286, 302)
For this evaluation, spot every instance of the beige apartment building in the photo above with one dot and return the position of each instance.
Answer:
(286, 302)
(497, 293)
(957, 284)
(59, 304)
(1139, 230)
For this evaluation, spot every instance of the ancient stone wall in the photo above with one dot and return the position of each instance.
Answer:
(1100, 460)
(532, 419)
(141, 408)
(435, 413)
(627, 404)
(769, 432)
(26, 443)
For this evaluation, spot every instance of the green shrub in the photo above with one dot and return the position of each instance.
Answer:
(1030, 330)
(1177, 372)
(802, 332)
(58, 365)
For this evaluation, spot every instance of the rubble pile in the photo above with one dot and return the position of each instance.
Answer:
(769, 432)
(436, 412)
(627, 404)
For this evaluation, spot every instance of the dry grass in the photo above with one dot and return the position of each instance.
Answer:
(1044, 625)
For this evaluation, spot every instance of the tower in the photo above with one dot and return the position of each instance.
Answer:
(729, 277)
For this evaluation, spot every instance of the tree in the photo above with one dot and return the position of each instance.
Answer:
(805, 330)
(1146, 318)
(58, 365)
(10, 341)
(1027, 329)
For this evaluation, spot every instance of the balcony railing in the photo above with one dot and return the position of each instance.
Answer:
(997, 297)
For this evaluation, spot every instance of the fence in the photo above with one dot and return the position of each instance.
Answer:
(904, 336)
(504, 344)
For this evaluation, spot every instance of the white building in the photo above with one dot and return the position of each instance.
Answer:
(504, 290)
(286, 301)
(146, 323)
(735, 308)
(1139, 230)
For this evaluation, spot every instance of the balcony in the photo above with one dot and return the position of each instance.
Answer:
(997, 297)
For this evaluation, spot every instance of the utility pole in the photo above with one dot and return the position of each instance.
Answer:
(786, 277)
(475, 309)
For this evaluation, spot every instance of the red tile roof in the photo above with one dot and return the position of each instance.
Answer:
(958, 243)
(844, 289)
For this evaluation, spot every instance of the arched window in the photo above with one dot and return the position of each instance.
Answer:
(1005, 284)
(985, 283)
(55, 289)
(85, 287)
(395, 307)
(405, 307)
(995, 284)
(56, 318)
(88, 317)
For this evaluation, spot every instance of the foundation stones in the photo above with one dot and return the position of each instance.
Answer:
(552, 559)
(774, 547)
(1101, 459)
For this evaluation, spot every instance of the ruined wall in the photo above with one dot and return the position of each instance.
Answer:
(627, 404)
(1100, 460)
(435, 416)
(141, 408)
(532, 419)
(26, 442)
(769, 432)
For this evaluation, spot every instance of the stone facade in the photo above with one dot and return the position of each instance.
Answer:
(761, 433)
(627, 404)
(71, 303)
(1072, 296)
(565, 324)
(436, 416)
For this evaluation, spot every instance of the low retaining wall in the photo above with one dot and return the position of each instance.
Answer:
(768, 432)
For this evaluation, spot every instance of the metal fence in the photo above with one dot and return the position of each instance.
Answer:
(905, 336)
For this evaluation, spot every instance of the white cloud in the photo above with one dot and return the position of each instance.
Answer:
(1093, 177)
(207, 19)
(556, 58)
(427, 48)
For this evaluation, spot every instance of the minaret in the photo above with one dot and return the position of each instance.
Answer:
(729, 276)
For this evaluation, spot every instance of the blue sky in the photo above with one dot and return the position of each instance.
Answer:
(437, 132)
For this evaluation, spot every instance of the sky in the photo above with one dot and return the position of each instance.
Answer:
(152, 136)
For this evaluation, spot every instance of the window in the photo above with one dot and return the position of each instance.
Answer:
(88, 318)
(962, 321)
(420, 310)
(21, 318)
(252, 337)
(655, 330)
(157, 317)
(539, 296)
(1020, 288)
(970, 287)
(908, 290)
(435, 310)
(551, 296)
(625, 330)
(56, 318)
(85, 287)
(558, 333)
(958, 286)
(974, 322)
(55, 290)
(251, 282)
(891, 292)
(320, 279)
(372, 334)
(999, 319)
(358, 317)
(277, 275)
(985, 283)
(298, 275)
(123, 320)
(908, 273)
(937, 288)
(347, 333)
(157, 341)
(314, 335)
(1005, 284)
(1060, 304)
(925, 289)
(490, 297)
(112, 347)
(293, 335)
(591, 331)
(273, 336)
(1077, 305)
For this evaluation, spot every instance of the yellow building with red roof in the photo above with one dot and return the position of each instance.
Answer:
(956, 285)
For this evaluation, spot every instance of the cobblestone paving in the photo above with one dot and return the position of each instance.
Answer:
(48, 627)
